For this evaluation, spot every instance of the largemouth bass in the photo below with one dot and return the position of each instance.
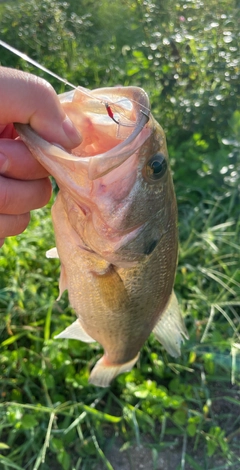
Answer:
(115, 223)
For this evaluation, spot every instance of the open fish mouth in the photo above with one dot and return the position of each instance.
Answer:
(124, 131)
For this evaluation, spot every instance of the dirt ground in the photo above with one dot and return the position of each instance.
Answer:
(137, 458)
(142, 458)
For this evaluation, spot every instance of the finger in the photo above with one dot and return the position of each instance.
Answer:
(11, 225)
(18, 197)
(26, 98)
(15, 158)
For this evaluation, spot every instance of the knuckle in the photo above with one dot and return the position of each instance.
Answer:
(43, 89)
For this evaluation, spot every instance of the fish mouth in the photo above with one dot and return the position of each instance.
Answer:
(107, 141)
(87, 110)
(109, 138)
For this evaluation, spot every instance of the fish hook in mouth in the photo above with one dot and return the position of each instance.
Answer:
(111, 115)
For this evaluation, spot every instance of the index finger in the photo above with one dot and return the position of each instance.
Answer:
(28, 99)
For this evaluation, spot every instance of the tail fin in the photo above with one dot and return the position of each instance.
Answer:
(102, 374)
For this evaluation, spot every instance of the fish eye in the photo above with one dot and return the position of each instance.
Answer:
(156, 167)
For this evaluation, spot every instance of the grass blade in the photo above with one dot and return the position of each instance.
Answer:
(8, 463)
(193, 463)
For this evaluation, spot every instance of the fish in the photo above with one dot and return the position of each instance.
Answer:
(115, 224)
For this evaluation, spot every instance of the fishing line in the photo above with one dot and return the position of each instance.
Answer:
(35, 63)
(108, 105)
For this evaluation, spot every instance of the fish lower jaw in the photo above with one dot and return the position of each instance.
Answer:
(103, 373)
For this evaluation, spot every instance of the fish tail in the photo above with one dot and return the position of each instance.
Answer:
(103, 373)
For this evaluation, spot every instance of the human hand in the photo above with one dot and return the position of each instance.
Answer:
(24, 184)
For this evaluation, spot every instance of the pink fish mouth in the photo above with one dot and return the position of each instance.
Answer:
(107, 143)
(113, 125)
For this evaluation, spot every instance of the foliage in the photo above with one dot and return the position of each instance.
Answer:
(185, 55)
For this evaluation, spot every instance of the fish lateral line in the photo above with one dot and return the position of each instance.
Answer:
(36, 64)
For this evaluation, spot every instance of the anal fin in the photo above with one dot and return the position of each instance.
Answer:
(170, 328)
(75, 331)
(103, 373)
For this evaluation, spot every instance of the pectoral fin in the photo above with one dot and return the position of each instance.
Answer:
(170, 328)
(52, 253)
(75, 331)
(103, 372)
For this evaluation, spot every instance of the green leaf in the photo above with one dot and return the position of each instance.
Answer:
(12, 339)
(133, 71)
(179, 417)
(64, 459)
(191, 429)
(28, 422)
(56, 444)
(211, 447)
(4, 446)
